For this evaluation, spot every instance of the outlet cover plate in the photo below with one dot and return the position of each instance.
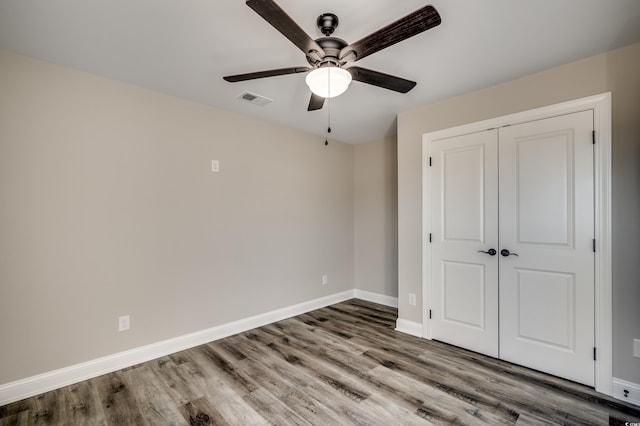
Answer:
(412, 299)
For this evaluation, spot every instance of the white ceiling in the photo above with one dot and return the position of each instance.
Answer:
(185, 47)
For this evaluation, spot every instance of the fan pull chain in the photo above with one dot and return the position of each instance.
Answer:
(326, 141)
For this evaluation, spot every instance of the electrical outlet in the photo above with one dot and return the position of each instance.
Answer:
(325, 279)
(626, 391)
(215, 166)
(123, 323)
(412, 299)
(636, 348)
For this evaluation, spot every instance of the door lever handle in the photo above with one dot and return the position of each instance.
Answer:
(490, 252)
(506, 253)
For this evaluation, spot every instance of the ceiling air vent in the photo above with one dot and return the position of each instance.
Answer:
(255, 99)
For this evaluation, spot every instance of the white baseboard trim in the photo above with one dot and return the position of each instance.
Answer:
(632, 394)
(409, 327)
(376, 298)
(35, 385)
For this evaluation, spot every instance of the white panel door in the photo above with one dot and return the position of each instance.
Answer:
(464, 212)
(547, 225)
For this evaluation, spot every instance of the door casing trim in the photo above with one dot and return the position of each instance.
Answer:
(601, 106)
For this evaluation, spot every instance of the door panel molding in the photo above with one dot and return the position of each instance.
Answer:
(454, 200)
(528, 160)
(601, 107)
(472, 314)
(526, 290)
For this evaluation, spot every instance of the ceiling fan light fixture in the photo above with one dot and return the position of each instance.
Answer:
(328, 82)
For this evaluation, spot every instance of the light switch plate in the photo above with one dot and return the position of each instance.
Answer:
(123, 323)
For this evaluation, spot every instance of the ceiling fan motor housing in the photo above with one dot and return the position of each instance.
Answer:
(331, 47)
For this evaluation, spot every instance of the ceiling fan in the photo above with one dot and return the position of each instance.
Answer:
(327, 55)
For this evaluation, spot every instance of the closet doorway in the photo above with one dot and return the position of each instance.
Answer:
(510, 260)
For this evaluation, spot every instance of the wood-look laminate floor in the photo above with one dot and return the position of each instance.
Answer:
(340, 365)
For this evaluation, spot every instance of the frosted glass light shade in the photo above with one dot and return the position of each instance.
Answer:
(318, 81)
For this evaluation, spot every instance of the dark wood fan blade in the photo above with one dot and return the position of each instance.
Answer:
(316, 102)
(278, 18)
(412, 24)
(263, 74)
(379, 79)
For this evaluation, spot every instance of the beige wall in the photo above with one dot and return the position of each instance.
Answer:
(617, 71)
(376, 217)
(108, 207)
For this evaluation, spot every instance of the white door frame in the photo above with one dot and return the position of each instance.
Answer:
(601, 107)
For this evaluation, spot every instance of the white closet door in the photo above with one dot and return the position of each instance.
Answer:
(464, 212)
(547, 219)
